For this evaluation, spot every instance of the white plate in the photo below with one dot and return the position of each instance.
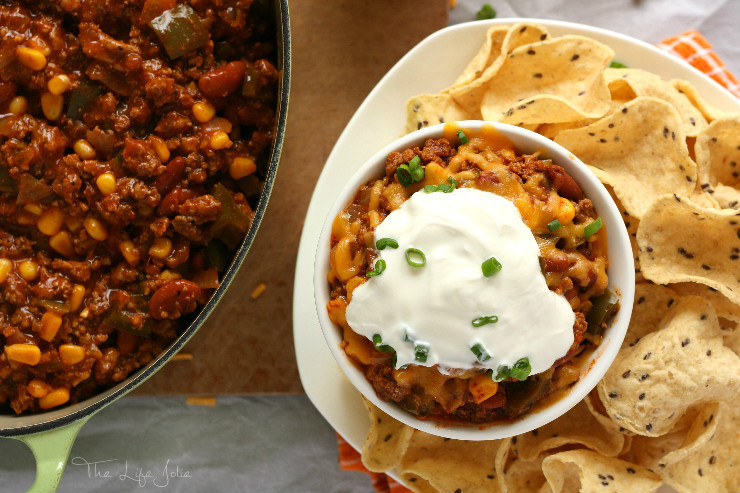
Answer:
(379, 120)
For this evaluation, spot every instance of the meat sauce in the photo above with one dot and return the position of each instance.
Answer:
(132, 139)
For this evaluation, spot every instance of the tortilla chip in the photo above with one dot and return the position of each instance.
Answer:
(469, 95)
(725, 197)
(631, 223)
(652, 304)
(713, 467)
(521, 476)
(553, 81)
(386, 441)
(723, 306)
(707, 110)
(623, 81)
(578, 426)
(448, 465)
(430, 109)
(717, 151)
(586, 471)
(651, 384)
(488, 53)
(680, 241)
(640, 151)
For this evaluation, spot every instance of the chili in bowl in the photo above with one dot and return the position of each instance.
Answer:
(474, 280)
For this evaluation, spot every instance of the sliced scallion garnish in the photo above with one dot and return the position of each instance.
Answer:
(463, 138)
(490, 267)
(481, 321)
(521, 369)
(480, 352)
(592, 228)
(415, 257)
(553, 225)
(378, 343)
(421, 351)
(502, 373)
(379, 268)
(386, 242)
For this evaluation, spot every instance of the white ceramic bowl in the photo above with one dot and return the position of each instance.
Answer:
(620, 271)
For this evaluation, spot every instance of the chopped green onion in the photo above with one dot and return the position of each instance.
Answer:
(490, 267)
(502, 373)
(415, 257)
(481, 321)
(617, 65)
(411, 172)
(379, 268)
(406, 337)
(383, 348)
(480, 352)
(486, 12)
(386, 242)
(738, 233)
(404, 175)
(521, 369)
(553, 225)
(463, 138)
(421, 351)
(444, 187)
(592, 228)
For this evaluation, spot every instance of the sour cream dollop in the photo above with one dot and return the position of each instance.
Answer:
(434, 305)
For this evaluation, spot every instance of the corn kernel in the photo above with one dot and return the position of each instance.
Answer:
(96, 229)
(28, 269)
(170, 275)
(28, 354)
(18, 106)
(34, 209)
(55, 398)
(52, 105)
(161, 247)
(38, 388)
(203, 112)
(33, 59)
(106, 183)
(62, 243)
(58, 84)
(50, 324)
(160, 148)
(83, 149)
(73, 223)
(51, 221)
(220, 140)
(566, 211)
(78, 294)
(5, 267)
(129, 252)
(241, 167)
(71, 354)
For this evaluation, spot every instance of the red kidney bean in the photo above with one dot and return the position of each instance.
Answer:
(563, 183)
(222, 81)
(173, 299)
(171, 176)
(170, 202)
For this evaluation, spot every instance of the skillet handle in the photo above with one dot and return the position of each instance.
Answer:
(51, 449)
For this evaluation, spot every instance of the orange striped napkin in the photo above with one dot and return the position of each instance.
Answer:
(690, 46)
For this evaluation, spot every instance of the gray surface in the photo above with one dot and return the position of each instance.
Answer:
(280, 443)
(247, 444)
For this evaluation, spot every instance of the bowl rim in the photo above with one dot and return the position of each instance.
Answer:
(621, 279)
